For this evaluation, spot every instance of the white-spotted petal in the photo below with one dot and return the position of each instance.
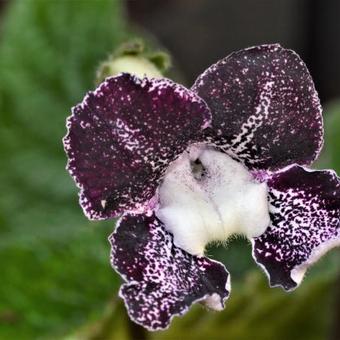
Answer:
(305, 223)
(122, 137)
(162, 279)
(265, 109)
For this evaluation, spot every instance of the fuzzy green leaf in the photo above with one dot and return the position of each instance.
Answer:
(55, 271)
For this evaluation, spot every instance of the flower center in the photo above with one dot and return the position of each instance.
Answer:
(207, 196)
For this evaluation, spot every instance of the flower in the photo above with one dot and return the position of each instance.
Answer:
(184, 167)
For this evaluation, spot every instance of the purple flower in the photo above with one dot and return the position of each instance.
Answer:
(187, 167)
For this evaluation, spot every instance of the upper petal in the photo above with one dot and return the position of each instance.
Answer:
(163, 280)
(305, 223)
(122, 137)
(265, 108)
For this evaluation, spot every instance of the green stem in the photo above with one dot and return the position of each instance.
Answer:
(136, 332)
(335, 328)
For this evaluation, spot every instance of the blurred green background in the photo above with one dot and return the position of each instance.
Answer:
(55, 277)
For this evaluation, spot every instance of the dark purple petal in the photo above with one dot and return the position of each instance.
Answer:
(163, 280)
(122, 137)
(265, 108)
(305, 212)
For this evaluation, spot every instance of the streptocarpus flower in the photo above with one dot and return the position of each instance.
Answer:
(185, 167)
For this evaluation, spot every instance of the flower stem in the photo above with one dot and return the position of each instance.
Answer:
(135, 331)
(335, 327)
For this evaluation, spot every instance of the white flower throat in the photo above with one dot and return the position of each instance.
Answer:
(207, 196)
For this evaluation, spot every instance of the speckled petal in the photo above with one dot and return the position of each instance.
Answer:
(122, 137)
(266, 111)
(305, 212)
(162, 279)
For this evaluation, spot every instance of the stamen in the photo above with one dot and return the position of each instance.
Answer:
(197, 168)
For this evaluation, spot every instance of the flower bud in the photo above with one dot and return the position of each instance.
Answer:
(132, 58)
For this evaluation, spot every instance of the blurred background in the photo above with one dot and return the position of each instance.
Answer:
(55, 277)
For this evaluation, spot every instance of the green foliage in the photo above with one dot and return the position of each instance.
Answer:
(55, 271)
(256, 312)
(331, 155)
(253, 312)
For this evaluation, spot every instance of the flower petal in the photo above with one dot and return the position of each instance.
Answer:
(122, 137)
(265, 108)
(305, 211)
(163, 280)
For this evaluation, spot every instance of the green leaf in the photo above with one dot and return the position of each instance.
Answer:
(55, 272)
(330, 154)
(256, 312)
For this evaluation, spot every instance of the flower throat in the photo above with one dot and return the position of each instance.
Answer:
(207, 196)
